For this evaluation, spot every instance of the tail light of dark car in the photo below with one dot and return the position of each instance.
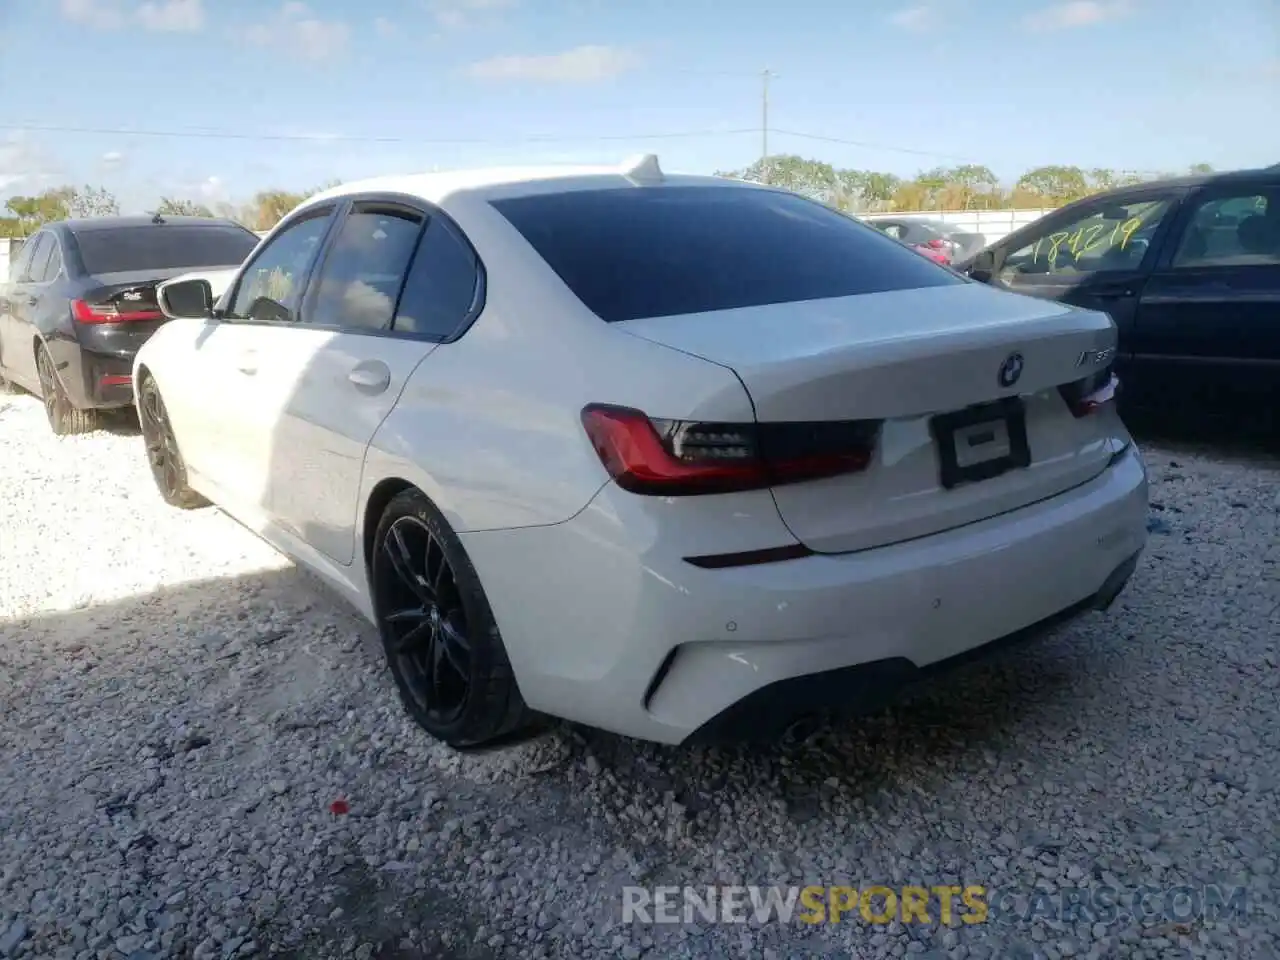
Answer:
(1092, 393)
(93, 313)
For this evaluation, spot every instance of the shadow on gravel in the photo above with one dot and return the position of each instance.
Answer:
(121, 423)
(871, 757)
(197, 735)
(182, 705)
(1232, 434)
(157, 723)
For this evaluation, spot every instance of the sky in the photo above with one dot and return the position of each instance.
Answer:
(217, 99)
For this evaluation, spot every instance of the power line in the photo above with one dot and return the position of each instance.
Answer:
(874, 146)
(764, 130)
(338, 138)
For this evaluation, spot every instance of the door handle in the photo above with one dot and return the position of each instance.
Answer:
(1112, 293)
(32, 300)
(248, 364)
(371, 376)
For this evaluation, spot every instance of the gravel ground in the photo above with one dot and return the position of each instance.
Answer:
(182, 708)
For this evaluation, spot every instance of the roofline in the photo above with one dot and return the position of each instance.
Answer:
(138, 220)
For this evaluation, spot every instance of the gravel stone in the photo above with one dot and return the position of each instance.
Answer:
(183, 707)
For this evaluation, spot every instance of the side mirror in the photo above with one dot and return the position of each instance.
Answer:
(1114, 212)
(186, 299)
(982, 267)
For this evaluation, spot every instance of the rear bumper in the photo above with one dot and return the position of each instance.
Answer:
(772, 710)
(93, 380)
(605, 625)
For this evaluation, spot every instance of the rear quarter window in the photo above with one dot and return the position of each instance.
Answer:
(633, 253)
(163, 247)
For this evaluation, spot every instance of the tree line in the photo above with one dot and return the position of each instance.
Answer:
(964, 187)
(25, 215)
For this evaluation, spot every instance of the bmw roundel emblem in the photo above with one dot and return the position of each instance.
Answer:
(1010, 370)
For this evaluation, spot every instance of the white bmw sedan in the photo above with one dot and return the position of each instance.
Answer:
(674, 456)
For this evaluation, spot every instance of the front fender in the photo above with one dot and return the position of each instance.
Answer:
(153, 355)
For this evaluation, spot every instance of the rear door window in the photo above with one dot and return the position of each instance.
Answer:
(35, 252)
(360, 281)
(47, 271)
(630, 253)
(168, 246)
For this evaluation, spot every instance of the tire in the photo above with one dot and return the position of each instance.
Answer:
(65, 419)
(438, 631)
(168, 469)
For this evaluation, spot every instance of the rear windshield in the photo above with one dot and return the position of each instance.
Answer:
(163, 247)
(641, 252)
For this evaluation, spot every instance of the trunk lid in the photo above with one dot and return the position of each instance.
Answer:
(904, 357)
(131, 295)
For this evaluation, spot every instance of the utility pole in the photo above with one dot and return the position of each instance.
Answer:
(765, 77)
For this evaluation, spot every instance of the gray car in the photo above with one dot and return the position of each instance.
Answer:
(934, 234)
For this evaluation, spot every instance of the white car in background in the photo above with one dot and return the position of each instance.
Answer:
(666, 455)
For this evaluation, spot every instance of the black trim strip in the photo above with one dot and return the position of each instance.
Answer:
(1202, 361)
(718, 561)
(663, 669)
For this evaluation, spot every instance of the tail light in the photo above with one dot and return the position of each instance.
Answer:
(655, 457)
(937, 244)
(109, 313)
(1091, 394)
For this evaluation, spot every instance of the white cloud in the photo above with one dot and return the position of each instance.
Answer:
(172, 16)
(112, 159)
(455, 14)
(296, 29)
(212, 188)
(914, 18)
(159, 16)
(99, 14)
(384, 28)
(1076, 13)
(580, 65)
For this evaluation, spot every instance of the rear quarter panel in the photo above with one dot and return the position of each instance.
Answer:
(490, 426)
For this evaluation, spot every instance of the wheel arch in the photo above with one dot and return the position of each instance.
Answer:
(383, 492)
(38, 343)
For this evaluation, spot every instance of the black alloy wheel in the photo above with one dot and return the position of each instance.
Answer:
(64, 418)
(438, 630)
(423, 619)
(168, 469)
